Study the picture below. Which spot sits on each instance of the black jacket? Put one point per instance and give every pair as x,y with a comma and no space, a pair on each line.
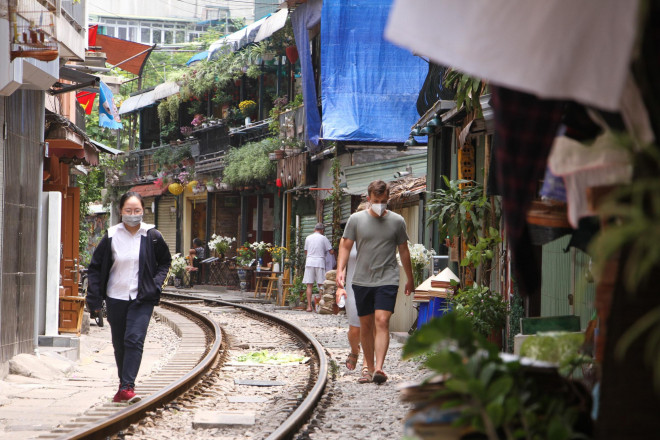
155,260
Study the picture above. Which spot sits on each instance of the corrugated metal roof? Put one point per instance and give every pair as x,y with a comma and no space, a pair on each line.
358,177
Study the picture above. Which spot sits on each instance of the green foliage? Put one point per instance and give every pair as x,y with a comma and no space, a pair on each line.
495,397
249,164
297,252
516,312
298,291
335,198
459,211
483,250
485,309
562,348
468,89
167,157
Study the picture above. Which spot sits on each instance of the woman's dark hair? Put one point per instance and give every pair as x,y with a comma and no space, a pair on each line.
127,196
198,242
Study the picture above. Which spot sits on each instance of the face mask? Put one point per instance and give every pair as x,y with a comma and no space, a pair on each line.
379,208
132,220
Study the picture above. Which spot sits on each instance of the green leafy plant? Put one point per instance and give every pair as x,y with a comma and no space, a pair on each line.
482,253
244,255
486,310
249,164
335,198
459,211
167,157
298,291
468,89
297,252
497,398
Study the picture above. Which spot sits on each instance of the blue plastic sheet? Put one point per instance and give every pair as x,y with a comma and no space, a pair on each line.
369,87
303,18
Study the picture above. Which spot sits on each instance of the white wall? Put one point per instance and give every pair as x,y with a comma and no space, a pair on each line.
168,8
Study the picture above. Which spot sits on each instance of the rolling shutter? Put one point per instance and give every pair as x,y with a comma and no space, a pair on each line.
167,221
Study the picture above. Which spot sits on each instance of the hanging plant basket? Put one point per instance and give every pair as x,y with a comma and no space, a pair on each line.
175,188
191,185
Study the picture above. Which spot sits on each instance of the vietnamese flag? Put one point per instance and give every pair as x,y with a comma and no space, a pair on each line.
86,99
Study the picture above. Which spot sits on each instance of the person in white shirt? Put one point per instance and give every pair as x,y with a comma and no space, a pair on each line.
316,247
127,270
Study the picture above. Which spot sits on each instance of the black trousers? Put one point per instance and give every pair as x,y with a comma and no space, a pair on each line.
129,321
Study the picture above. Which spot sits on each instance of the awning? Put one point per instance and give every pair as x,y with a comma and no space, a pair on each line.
149,97
273,23
126,55
148,190
105,148
198,57
80,80
236,40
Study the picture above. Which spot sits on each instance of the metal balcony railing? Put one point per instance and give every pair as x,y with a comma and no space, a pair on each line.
140,166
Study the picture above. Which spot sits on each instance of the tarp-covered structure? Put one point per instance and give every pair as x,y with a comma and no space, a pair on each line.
369,87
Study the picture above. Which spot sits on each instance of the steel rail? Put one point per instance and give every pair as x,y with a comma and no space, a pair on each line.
304,410
133,413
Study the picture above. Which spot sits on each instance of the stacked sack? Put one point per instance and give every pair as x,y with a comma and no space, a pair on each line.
327,303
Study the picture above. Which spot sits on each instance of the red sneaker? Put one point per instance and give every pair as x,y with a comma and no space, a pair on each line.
126,395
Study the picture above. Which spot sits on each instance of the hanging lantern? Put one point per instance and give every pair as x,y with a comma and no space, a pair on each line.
292,54
278,182
175,188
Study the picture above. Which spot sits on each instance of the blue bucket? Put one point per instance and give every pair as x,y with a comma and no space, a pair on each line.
435,308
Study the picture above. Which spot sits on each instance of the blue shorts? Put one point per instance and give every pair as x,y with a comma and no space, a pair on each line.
369,299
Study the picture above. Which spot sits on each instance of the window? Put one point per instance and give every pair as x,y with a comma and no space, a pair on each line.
145,33
155,36
192,37
180,36
169,37
122,33
132,34
110,31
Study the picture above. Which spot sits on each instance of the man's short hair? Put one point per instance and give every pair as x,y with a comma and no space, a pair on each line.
378,188
319,227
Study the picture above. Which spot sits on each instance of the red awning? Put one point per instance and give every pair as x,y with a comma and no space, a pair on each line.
148,190
126,55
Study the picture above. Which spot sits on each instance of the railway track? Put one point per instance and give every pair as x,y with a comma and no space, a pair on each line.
196,368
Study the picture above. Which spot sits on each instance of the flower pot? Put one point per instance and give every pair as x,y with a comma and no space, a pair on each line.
177,282
276,267
279,154
210,187
242,277
248,121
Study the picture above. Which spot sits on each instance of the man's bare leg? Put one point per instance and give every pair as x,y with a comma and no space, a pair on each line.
309,297
367,339
382,343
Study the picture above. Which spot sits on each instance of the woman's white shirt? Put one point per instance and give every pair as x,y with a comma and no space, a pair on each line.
123,279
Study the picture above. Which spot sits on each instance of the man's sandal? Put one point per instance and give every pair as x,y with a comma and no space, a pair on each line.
379,377
366,376
351,360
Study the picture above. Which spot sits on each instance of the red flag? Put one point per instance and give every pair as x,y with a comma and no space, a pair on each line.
91,35
86,99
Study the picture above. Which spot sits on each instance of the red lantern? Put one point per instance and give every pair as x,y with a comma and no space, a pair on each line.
292,54
278,182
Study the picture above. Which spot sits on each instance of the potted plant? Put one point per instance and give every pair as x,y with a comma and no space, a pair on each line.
487,310
298,292
244,257
247,107
221,244
178,268
277,253
259,249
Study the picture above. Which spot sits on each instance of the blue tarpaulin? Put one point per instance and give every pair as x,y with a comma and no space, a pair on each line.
198,57
369,87
305,17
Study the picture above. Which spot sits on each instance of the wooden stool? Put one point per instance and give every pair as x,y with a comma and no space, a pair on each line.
286,285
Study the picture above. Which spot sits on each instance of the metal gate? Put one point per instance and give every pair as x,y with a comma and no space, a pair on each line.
21,182
166,207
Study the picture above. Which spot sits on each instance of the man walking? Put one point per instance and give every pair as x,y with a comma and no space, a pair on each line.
377,234
316,247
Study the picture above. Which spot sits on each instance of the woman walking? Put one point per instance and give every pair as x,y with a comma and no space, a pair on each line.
127,270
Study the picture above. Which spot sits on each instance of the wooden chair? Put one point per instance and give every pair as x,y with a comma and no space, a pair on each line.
272,284
286,284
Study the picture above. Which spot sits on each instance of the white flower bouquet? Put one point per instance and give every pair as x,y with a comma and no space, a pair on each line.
220,243
178,265
259,248
420,257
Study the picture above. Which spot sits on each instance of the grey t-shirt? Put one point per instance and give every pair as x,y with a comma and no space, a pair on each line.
376,239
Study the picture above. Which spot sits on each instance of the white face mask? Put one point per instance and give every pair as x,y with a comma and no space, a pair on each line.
379,208
132,220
